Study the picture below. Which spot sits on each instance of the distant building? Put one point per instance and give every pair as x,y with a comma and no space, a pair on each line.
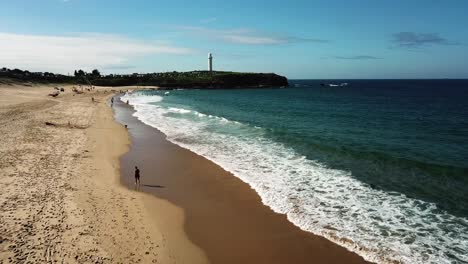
210,62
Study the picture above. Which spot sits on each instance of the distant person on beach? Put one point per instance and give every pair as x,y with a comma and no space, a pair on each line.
112,101
127,101
137,176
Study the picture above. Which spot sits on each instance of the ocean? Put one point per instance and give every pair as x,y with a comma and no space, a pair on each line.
378,166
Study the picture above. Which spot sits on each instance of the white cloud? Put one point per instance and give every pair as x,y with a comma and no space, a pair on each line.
245,36
67,53
253,40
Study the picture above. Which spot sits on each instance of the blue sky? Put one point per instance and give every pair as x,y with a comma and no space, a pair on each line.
298,39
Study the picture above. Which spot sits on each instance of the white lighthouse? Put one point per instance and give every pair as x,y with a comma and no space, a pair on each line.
210,62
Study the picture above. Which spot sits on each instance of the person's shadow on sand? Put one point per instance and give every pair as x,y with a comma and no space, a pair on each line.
153,186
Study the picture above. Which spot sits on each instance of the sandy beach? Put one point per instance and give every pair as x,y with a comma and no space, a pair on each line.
61,198
65,198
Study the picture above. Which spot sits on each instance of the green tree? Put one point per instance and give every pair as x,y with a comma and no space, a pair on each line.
79,73
95,73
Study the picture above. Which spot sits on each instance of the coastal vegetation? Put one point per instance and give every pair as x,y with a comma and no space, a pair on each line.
191,79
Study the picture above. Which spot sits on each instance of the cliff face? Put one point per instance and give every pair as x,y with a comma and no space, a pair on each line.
236,80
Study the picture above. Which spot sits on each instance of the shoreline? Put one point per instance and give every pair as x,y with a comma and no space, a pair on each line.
157,242
222,212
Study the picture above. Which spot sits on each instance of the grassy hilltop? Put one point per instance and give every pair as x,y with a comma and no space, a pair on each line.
192,79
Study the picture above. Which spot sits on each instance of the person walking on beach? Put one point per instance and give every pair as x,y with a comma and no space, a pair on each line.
112,101
137,177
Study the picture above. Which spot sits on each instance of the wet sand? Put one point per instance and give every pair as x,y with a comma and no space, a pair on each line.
223,215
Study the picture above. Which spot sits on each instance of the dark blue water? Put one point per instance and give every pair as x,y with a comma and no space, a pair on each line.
395,137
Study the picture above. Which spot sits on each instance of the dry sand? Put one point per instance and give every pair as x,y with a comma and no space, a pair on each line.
61,200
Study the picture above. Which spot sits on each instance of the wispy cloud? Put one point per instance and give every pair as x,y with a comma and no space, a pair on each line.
358,57
66,53
416,40
245,36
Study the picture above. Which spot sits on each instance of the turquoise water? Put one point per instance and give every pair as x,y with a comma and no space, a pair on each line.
383,164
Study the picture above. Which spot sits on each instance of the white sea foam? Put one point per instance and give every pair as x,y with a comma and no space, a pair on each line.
178,110
380,226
